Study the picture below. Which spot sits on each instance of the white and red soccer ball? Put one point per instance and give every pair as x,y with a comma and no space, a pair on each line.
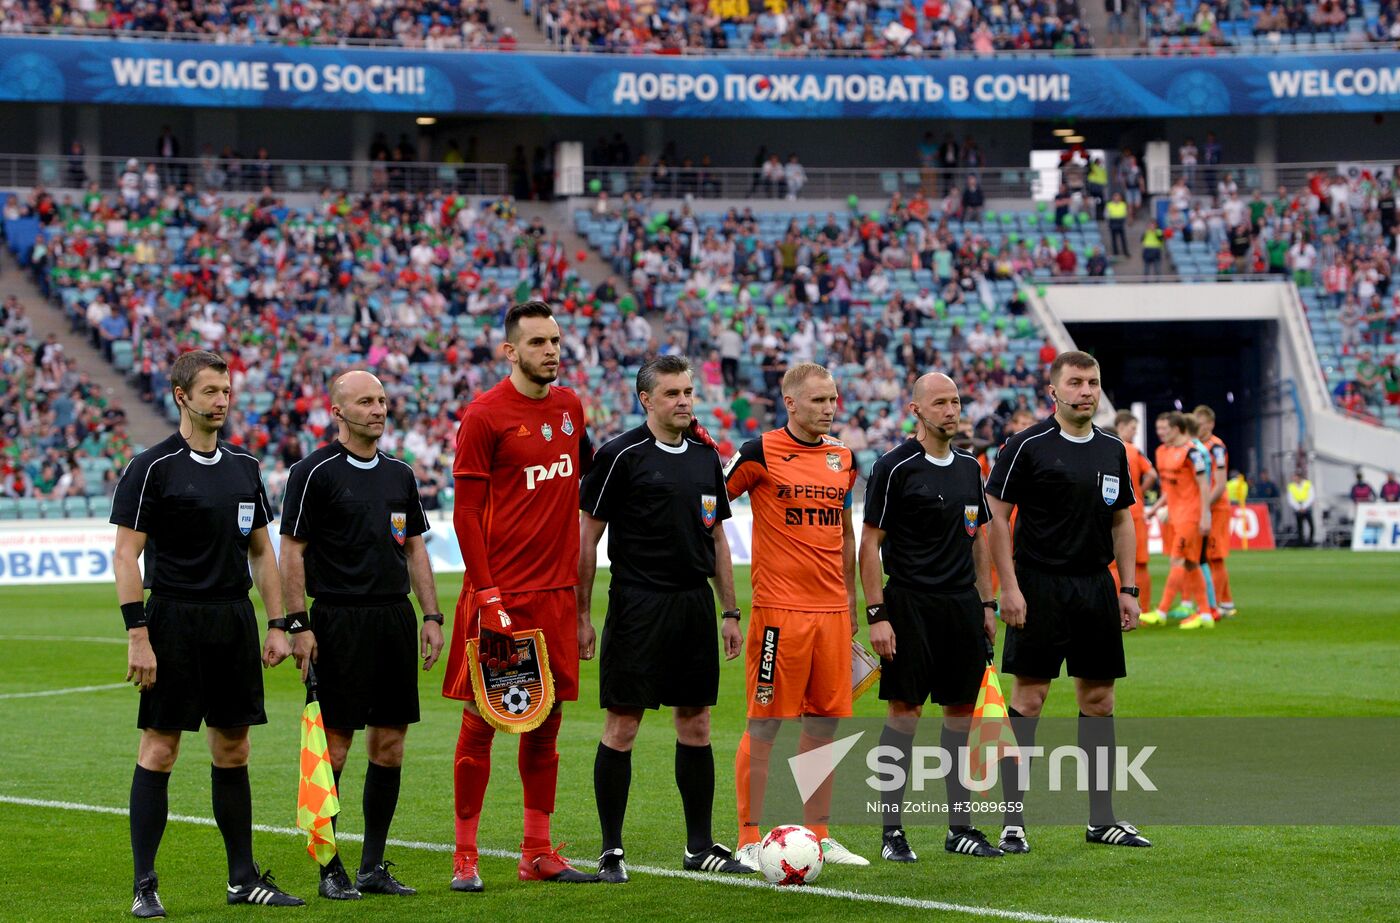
790,855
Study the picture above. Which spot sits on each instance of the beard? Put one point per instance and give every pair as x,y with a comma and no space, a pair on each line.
538,373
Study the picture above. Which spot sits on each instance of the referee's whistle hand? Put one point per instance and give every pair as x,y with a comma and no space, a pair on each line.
276,648
140,662
882,639
304,651
587,638
1129,611
431,644
733,638
1013,608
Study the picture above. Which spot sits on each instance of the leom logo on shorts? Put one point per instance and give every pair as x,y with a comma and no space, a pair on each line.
245,518
767,666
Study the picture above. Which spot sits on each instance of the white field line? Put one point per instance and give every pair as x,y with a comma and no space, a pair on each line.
728,880
69,691
88,639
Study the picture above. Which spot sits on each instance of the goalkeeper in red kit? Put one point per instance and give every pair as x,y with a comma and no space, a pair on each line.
521,450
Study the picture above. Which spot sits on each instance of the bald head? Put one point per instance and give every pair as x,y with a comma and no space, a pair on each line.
360,406
345,387
935,382
937,407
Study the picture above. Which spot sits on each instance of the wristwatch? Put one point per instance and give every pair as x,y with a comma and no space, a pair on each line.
432,617
1129,591
277,623
991,604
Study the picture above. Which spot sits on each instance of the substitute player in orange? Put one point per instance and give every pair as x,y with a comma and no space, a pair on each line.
1144,476
799,482
1218,545
1185,475
521,449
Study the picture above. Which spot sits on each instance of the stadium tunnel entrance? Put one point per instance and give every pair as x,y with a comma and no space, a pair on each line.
1176,365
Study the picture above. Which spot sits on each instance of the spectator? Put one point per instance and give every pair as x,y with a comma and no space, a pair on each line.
1361,492
1152,250
1390,490
1117,212
794,177
1300,500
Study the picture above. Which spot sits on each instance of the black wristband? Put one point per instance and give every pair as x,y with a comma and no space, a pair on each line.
991,604
277,623
134,615
734,614
875,613
434,617
1129,591
297,622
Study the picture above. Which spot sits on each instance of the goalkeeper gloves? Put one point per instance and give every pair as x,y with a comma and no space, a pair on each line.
495,639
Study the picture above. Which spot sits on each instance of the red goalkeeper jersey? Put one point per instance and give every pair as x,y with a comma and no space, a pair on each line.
532,453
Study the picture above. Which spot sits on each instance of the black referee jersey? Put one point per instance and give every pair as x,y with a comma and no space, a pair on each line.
1066,489
662,504
355,514
197,511
929,509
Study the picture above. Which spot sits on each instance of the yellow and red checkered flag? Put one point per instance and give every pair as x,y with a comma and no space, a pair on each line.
317,800
991,726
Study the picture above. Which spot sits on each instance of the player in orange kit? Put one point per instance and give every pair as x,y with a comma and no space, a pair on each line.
1144,476
1185,477
799,482
1218,545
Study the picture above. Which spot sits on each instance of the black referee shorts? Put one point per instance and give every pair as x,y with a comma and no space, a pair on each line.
1071,619
940,647
366,664
208,666
659,648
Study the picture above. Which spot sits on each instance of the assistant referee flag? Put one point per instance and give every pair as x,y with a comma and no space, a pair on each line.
991,727
317,800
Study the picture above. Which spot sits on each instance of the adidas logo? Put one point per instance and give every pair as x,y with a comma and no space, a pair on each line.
523,431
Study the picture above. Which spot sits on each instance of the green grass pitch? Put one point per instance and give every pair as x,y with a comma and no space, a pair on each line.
1318,634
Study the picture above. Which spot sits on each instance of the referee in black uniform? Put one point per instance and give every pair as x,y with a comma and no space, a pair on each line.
933,623
352,538
662,491
1071,484
195,506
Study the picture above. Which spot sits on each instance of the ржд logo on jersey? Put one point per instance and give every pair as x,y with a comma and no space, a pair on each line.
559,469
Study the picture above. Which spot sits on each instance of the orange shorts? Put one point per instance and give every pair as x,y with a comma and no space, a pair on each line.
1218,545
798,663
1186,542
554,612
1168,536
1140,527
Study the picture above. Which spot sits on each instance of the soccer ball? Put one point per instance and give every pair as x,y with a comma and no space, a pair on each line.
516,700
790,855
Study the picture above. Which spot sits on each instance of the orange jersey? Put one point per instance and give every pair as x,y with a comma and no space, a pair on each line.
1139,467
1178,466
1219,468
800,493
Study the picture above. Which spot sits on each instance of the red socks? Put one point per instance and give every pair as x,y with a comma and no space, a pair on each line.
471,772
539,776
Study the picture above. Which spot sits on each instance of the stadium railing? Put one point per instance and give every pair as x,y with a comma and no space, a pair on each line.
252,175
822,182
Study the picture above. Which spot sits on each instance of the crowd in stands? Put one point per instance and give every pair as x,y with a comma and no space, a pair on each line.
785,27
61,438
1337,237
410,285
431,24
1176,25
799,27
878,297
